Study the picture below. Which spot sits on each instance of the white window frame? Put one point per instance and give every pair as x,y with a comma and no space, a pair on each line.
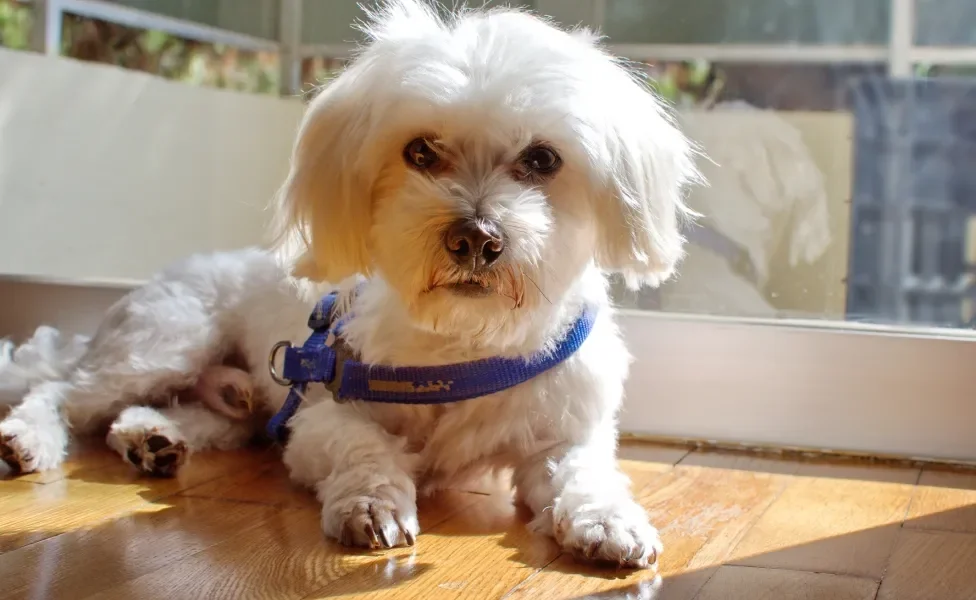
836,386
900,53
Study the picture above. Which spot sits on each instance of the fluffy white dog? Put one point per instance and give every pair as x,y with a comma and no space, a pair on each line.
484,171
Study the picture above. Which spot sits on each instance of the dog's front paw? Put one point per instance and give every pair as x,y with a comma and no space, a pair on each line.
616,533
384,518
374,523
27,448
157,452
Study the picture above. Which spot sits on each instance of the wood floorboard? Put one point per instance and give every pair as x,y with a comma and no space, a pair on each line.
734,526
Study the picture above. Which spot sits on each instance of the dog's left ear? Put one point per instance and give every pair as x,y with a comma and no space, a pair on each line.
322,212
646,165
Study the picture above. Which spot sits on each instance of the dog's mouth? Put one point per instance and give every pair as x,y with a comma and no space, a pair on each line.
470,288
506,282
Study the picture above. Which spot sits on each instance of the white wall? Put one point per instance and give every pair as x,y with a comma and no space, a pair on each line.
108,175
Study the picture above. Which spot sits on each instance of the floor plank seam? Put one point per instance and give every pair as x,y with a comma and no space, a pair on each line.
937,531
531,576
278,505
915,492
87,527
257,523
13,478
683,457
810,571
701,588
877,592
789,480
901,528
804,570
657,477
196,485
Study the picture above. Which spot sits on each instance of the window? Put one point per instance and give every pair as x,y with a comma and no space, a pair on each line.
827,298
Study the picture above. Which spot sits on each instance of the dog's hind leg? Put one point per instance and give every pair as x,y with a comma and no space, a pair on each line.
33,436
159,441
149,343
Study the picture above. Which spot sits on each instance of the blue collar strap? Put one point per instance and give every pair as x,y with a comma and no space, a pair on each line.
326,359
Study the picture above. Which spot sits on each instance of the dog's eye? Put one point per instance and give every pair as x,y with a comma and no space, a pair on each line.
420,154
541,160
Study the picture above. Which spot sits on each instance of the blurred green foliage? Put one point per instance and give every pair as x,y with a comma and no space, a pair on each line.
15,24
686,83
153,52
168,56
692,83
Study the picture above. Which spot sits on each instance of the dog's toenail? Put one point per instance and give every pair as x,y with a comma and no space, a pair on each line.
156,443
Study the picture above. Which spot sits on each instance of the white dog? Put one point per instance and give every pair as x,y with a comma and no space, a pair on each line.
484,171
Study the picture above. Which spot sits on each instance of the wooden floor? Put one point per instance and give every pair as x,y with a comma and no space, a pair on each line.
734,527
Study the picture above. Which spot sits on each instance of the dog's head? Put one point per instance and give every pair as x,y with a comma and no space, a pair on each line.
480,164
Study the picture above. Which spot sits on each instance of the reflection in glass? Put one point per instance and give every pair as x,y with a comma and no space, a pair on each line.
835,191
945,23
747,21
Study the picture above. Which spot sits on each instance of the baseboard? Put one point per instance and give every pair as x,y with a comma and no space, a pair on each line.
71,308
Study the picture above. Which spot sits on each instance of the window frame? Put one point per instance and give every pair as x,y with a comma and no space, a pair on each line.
835,386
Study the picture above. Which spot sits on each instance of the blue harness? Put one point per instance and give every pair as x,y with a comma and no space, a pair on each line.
325,358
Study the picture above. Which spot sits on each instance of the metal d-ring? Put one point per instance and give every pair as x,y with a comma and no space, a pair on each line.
271,363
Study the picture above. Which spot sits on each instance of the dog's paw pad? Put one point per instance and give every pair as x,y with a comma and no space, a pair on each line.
26,449
156,454
238,397
16,457
157,443
376,524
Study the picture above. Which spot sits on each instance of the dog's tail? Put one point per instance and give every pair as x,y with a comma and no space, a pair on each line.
46,356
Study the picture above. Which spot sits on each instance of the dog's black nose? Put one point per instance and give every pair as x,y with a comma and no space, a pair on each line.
474,242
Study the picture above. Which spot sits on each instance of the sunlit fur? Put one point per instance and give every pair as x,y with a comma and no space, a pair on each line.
481,87
485,85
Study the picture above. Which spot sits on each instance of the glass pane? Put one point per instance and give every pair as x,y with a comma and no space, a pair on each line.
319,70
945,23
747,21
16,19
169,56
835,191
253,17
774,235
849,197
328,21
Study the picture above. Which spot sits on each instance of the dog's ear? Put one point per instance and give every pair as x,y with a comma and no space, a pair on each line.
322,211
647,165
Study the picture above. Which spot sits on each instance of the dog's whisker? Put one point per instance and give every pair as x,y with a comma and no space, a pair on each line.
541,293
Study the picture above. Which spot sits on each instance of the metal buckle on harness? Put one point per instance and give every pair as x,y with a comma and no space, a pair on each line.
284,344
340,353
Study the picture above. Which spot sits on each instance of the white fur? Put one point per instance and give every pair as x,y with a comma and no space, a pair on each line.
44,356
161,339
483,85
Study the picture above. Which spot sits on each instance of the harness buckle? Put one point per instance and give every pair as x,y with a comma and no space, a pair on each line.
341,353
284,344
